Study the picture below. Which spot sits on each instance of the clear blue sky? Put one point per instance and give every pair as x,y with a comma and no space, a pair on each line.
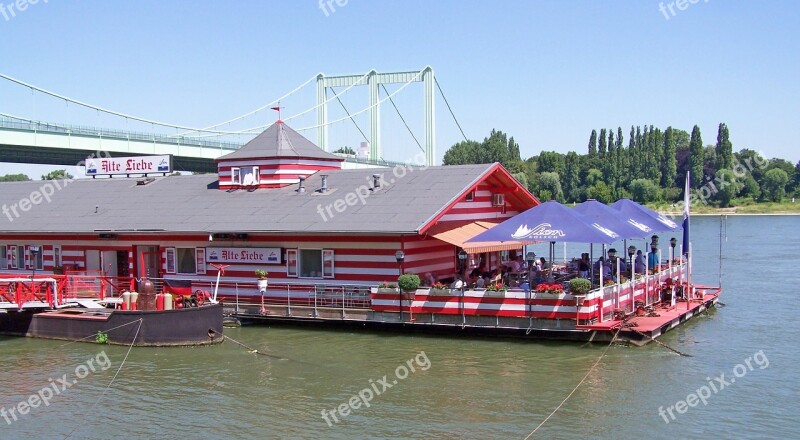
546,72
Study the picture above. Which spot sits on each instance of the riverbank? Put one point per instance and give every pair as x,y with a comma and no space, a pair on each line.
766,208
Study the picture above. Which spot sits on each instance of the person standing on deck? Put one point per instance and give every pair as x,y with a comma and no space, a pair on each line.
652,258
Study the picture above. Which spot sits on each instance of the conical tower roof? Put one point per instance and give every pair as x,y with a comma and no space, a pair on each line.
279,140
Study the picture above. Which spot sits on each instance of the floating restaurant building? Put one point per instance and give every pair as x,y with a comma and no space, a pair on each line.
279,203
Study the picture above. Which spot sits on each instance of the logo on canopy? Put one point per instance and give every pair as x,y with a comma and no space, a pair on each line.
667,221
606,231
540,231
641,226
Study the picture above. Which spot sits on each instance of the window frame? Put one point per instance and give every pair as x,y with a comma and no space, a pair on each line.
236,178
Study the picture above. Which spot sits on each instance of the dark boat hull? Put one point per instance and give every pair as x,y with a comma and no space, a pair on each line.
190,326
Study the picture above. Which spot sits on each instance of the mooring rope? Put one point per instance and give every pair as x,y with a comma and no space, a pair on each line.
659,342
602,355
251,349
130,347
94,335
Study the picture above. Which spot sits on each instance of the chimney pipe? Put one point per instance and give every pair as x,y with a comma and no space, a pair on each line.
324,183
301,189
376,182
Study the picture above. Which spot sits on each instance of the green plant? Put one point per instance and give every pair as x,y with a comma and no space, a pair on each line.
440,286
579,286
261,274
496,288
408,282
101,338
385,285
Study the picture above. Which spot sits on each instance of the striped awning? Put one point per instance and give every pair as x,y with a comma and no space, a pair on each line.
458,235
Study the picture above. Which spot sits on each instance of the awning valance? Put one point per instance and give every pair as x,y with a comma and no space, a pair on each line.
458,235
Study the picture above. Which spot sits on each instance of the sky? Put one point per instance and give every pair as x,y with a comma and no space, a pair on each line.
545,72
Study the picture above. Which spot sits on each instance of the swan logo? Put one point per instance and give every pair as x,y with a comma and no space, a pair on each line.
540,231
641,226
606,231
667,221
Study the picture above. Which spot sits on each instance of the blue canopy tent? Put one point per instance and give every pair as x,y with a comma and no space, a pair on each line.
608,217
550,221
643,218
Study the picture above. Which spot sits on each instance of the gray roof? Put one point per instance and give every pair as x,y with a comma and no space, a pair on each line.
279,140
195,204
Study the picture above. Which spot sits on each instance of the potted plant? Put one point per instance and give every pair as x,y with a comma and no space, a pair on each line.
439,289
554,289
261,275
385,287
579,286
409,283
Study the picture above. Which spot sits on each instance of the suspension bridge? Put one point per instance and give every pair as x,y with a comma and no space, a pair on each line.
24,138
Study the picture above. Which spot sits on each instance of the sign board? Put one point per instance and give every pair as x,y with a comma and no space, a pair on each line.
109,166
243,255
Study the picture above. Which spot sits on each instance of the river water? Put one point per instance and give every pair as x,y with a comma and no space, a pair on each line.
459,388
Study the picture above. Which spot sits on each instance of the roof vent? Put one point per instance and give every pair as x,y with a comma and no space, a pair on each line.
376,181
324,187
145,181
300,188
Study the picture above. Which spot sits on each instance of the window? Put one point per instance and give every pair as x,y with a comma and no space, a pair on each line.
200,255
310,263
249,176
235,176
20,257
3,257
470,196
186,259
57,256
291,262
170,260
498,200
36,258
11,254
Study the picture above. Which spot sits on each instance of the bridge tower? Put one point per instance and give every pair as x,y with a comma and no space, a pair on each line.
374,80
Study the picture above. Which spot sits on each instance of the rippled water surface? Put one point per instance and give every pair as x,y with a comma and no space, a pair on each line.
460,388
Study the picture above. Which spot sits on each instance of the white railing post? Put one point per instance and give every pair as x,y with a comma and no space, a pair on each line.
288,301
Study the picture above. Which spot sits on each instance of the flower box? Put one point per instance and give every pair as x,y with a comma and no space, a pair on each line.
388,290
439,292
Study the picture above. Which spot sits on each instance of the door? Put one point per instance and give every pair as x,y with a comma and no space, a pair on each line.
110,263
93,262
147,262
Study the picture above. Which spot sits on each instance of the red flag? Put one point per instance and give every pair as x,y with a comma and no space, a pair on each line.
277,109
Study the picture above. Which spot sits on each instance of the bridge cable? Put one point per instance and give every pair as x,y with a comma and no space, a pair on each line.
328,99
348,114
416,78
448,108
403,119
112,112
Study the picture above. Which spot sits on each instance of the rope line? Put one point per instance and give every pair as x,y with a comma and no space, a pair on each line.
130,347
101,331
403,119
449,108
354,121
576,386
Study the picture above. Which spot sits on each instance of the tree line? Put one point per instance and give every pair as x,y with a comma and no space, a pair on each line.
651,167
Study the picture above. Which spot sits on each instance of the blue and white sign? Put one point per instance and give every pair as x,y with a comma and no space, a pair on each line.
110,166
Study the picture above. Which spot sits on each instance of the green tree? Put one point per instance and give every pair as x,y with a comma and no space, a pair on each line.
57,175
550,183
572,176
794,184
669,162
727,187
644,190
601,149
346,150
724,148
749,188
14,178
593,144
462,153
600,192
681,138
696,157
551,161
513,150
773,185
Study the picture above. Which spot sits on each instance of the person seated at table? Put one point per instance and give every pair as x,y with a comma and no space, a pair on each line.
584,266
623,265
459,281
517,265
652,258
429,279
607,272
478,271
480,283
496,277
599,264
639,266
